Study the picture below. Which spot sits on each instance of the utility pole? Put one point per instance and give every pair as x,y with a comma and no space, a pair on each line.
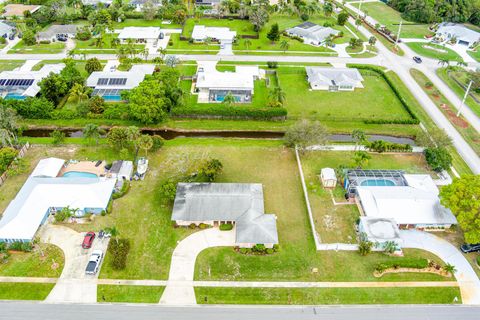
464,98
398,33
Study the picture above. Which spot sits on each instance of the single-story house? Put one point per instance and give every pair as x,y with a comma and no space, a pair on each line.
328,177
17,10
140,34
7,29
95,3
109,84
414,205
213,85
380,231
464,36
334,79
221,34
19,84
216,203
312,33
138,4
44,193
55,31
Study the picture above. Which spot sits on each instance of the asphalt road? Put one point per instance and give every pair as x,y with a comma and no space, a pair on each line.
42,311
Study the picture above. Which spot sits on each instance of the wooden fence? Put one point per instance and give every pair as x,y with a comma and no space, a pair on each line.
21,154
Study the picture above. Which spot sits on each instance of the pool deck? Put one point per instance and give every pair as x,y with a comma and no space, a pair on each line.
84,166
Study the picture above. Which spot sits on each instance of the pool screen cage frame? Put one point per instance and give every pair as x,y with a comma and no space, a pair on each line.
353,178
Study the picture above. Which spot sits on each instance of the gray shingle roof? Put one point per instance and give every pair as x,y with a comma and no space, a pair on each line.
333,76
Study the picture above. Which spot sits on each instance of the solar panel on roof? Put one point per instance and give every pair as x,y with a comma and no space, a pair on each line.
2,81
16,82
117,81
102,81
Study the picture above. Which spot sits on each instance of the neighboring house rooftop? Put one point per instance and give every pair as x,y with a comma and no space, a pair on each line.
320,76
55,29
220,33
6,28
312,32
25,83
139,33
95,2
12,10
209,77
239,202
42,191
458,31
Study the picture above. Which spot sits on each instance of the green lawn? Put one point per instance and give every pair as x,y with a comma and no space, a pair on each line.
475,54
434,51
391,18
316,296
25,291
8,65
44,261
336,223
375,100
129,294
464,128
88,46
54,47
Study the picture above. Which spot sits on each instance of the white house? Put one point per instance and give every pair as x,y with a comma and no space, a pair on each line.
238,203
44,193
19,85
140,34
221,34
109,84
464,36
213,85
312,33
55,31
334,79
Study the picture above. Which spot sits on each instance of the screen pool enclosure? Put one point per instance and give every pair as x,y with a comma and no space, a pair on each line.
372,178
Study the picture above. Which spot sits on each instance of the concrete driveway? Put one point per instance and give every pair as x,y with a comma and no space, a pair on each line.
179,289
73,285
466,277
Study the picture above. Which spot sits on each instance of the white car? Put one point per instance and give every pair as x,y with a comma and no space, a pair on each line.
94,262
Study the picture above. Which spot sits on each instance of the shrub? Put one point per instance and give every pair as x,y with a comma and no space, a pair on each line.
438,158
226,227
6,157
342,18
259,247
415,263
57,136
119,249
123,191
20,246
64,114
243,250
210,169
269,251
109,207
385,146
158,142
169,190
365,247
192,226
304,16
478,260
202,226
272,64
45,42
221,111
276,247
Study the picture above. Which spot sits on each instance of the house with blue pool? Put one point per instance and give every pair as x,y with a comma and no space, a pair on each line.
212,85
45,192
21,84
110,82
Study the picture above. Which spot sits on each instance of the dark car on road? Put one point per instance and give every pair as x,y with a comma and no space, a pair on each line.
88,240
417,59
467,248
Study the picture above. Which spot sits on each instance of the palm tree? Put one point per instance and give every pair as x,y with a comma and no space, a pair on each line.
358,136
114,42
443,62
284,45
247,43
99,41
450,268
113,231
145,142
92,132
462,64
327,9
145,53
79,92
229,99
121,53
71,53
277,95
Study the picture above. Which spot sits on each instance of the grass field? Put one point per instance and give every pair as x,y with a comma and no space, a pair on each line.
375,100
25,291
8,65
335,224
475,54
45,261
316,296
129,294
434,51
54,47
89,45
391,18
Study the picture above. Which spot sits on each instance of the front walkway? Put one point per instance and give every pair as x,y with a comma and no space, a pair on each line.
179,289
467,278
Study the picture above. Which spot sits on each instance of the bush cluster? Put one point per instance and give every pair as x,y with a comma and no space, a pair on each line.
119,249
226,227
225,112
415,263
20,246
385,146
259,249
123,191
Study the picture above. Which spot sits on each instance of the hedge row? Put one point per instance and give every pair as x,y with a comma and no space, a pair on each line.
385,146
414,119
221,111
119,249
416,263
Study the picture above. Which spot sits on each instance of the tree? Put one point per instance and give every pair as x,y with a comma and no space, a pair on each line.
462,197
92,132
277,96
342,18
79,92
8,120
149,10
64,214
96,105
172,61
438,158
7,138
444,62
147,101
34,108
372,40
28,37
359,137
364,246
210,169
145,142
57,136
229,99
361,158
305,133
258,17
358,22
247,43
118,137
284,45
450,268
53,87
327,9
274,33
179,16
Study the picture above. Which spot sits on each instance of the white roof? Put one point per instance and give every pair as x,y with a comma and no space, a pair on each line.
126,170
405,204
25,213
133,77
48,168
321,76
380,229
459,31
36,76
220,33
421,181
210,78
312,32
139,33
328,174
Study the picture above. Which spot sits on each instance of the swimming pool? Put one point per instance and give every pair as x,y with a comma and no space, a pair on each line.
377,183
112,98
79,174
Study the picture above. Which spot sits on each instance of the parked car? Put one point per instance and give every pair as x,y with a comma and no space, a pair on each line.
161,36
417,59
94,262
467,248
62,38
88,240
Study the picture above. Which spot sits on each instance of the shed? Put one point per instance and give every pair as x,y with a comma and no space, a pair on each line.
328,177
